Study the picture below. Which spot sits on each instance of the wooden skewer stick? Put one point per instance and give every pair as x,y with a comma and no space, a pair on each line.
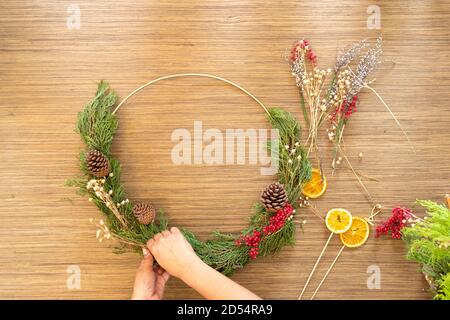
315,266
328,271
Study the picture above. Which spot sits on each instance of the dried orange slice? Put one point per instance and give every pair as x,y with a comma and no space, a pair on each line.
315,187
357,234
338,220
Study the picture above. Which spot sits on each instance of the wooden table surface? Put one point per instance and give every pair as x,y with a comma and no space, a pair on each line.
49,71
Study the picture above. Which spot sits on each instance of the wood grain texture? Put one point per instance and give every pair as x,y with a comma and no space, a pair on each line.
47,73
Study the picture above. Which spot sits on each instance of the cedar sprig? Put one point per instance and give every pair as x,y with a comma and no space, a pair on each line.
96,124
294,168
428,244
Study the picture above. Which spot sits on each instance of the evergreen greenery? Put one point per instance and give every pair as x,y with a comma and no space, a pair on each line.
97,126
428,243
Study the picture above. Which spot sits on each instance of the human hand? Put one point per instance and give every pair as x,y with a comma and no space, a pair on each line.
150,281
173,252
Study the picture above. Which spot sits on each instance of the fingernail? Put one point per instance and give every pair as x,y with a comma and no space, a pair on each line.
145,252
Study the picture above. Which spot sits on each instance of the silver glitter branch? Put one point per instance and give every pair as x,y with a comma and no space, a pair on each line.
366,65
348,54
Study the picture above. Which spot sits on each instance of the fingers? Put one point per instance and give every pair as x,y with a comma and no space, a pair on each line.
162,234
153,244
175,230
164,274
158,270
158,236
165,233
147,262
147,255
161,282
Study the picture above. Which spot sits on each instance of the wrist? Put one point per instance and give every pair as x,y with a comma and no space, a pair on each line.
192,269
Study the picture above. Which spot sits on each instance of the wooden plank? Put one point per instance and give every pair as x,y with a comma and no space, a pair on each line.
48,72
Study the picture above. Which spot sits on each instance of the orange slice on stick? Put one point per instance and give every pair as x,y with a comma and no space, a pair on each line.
315,187
338,220
357,234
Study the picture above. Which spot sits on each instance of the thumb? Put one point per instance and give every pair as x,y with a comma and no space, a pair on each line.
147,262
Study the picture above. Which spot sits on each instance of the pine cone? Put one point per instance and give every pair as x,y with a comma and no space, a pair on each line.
97,163
144,212
274,197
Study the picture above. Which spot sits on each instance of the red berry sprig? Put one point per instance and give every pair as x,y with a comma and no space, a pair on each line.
346,109
303,46
251,240
276,222
400,217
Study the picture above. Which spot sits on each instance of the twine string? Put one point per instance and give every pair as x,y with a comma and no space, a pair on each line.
178,75
393,116
369,196
375,211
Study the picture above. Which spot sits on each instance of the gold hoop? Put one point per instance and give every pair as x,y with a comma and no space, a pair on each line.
178,75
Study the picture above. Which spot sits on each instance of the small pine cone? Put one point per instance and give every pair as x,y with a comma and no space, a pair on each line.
97,163
274,197
144,212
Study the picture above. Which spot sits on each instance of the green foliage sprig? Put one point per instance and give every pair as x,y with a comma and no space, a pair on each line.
428,243
97,126
293,169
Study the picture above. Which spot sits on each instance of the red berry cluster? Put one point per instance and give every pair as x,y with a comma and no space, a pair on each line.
395,223
346,109
276,222
252,241
303,45
350,108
